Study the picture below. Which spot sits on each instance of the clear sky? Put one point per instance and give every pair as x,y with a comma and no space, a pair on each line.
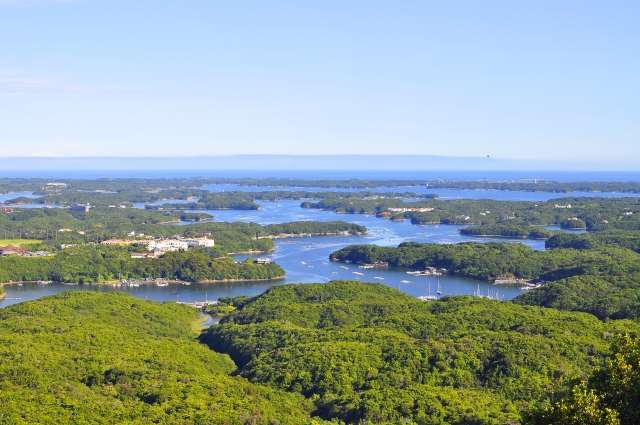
512,79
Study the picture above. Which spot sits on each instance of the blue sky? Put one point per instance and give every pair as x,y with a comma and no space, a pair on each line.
506,79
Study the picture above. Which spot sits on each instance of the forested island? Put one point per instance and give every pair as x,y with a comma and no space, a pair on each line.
626,239
70,246
111,265
603,280
575,213
56,226
512,231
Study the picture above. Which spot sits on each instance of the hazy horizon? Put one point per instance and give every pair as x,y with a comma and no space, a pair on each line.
312,166
546,81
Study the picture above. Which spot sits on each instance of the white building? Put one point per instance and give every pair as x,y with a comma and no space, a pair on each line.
167,245
411,209
200,242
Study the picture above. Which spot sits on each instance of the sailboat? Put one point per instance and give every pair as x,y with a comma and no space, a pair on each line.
428,297
439,290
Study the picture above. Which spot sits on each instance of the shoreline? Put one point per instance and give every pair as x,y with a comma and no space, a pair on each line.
249,252
266,279
118,284
504,237
309,235
516,282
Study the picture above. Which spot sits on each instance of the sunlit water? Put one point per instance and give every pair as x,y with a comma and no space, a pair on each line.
306,260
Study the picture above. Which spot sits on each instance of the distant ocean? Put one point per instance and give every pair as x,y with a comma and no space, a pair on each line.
628,176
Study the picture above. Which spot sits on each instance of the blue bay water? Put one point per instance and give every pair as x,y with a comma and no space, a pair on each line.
306,260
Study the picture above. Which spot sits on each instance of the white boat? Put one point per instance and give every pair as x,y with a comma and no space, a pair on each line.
405,281
358,273
378,277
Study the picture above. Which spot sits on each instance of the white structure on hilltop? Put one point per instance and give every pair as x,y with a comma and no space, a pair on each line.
167,245
200,242
158,247
411,209
161,246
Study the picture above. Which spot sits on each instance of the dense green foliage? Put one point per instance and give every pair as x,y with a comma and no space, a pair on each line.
626,239
223,201
92,358
512,231
97,263
368,352
57,226
590,213
46,223
360,203
612,296
237,200
573,223
314,228
610,397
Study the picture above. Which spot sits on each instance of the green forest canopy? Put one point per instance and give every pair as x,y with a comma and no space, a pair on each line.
105,358
365,352
99,263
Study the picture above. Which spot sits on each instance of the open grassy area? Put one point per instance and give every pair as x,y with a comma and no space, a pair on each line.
19,242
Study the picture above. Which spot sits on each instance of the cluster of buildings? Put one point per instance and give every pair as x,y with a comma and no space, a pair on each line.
55,186
158,247
410,209
562,206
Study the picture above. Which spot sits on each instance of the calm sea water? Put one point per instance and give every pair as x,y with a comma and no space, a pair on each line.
93,173
306,259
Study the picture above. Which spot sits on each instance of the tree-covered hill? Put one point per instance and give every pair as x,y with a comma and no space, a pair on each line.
366,352
92,358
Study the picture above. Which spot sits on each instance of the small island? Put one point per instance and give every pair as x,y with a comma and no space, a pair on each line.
510,231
